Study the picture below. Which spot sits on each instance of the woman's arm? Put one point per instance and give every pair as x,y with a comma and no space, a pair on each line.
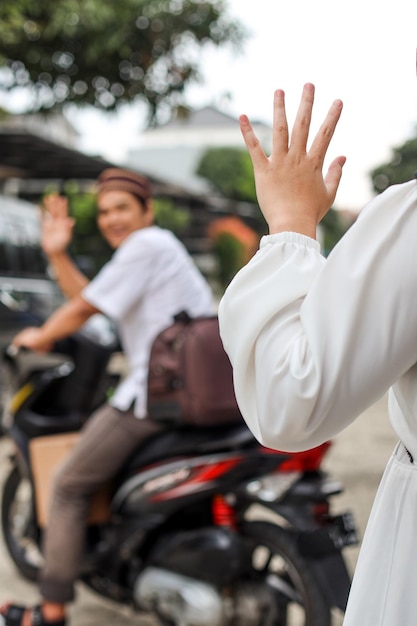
313,342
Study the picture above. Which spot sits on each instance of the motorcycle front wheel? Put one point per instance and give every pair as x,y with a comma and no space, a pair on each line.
20,531
8,387
276,565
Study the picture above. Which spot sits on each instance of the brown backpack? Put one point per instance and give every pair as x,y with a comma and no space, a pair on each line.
190,376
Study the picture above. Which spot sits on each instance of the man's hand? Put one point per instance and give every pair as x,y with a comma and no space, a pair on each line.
63,322
32,338
292,193
57,226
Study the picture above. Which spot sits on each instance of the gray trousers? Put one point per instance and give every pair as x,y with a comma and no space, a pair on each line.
107,440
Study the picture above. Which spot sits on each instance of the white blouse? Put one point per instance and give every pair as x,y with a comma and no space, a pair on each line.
313,343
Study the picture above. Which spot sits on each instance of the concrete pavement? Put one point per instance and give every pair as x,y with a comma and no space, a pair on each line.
357,458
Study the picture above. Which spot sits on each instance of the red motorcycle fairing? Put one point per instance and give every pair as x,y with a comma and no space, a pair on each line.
166,485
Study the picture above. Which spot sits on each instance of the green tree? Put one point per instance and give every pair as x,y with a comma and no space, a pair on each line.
334,227
230,172
401,167
233,244
170,216
229,253
106,53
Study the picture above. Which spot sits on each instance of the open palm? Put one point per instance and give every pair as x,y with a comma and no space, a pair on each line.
57,225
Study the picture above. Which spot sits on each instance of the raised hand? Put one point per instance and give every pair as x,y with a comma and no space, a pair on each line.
57,225
292,193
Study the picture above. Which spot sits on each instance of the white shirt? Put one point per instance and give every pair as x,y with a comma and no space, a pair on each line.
149,279
313,343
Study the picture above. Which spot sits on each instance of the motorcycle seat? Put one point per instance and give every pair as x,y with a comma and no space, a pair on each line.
37,425
191,440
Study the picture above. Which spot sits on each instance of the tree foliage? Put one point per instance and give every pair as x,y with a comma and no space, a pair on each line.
333,228
230,172
401,167
234,243
106,53
170,216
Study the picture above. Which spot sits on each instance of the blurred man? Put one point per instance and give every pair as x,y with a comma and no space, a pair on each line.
149,279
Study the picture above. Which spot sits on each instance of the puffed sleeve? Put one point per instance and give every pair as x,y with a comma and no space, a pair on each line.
313,341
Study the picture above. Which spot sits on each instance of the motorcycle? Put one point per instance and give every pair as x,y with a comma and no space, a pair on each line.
204,527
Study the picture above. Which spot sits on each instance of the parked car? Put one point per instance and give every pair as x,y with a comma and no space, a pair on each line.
28,294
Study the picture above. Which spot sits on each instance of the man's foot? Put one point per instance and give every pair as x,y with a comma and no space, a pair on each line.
16,615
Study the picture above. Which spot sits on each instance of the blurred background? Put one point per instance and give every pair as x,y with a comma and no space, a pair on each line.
157,86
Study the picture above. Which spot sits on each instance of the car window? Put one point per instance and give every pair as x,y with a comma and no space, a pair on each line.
20,251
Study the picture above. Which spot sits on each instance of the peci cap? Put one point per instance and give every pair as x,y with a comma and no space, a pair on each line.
115,179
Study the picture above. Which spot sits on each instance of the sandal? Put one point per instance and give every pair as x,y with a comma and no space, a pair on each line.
13,616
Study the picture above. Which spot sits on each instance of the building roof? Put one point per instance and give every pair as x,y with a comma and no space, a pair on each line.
207,116
24,154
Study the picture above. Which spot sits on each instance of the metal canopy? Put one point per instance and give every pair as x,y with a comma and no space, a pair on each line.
27,155
36,160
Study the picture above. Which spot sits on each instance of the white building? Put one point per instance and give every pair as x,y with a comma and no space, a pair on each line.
173,151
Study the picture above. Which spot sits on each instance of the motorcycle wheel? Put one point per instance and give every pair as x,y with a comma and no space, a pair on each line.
8,387
20,531
277,565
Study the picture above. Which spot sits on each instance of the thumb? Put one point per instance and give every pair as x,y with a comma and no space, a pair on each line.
333,176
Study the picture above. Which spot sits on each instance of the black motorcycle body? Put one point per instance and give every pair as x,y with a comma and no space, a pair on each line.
206,527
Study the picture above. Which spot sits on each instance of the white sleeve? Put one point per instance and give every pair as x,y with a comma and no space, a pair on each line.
314,342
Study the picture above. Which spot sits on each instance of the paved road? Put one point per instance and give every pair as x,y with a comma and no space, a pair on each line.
357,458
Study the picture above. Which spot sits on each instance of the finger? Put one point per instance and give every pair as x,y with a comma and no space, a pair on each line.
253,145
280,124
301,128
56,205
333,176
61,207
46,216
50,200
17,341
322,139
